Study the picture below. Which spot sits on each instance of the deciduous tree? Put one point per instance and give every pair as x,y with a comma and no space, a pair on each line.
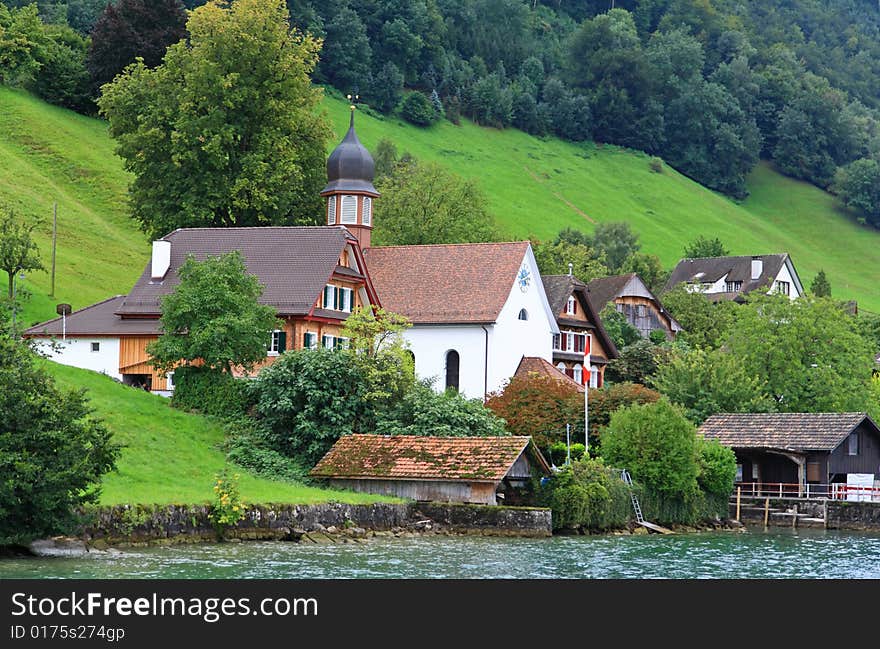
227,131
18,250
214,317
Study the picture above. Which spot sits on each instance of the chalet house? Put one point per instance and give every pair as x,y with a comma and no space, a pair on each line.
731,278
476,309
632,297
580,329
313,276
789,451
448,469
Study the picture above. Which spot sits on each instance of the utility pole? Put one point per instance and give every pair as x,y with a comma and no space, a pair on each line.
54,245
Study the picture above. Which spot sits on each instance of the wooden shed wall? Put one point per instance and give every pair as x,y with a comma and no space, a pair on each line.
437,490
868,459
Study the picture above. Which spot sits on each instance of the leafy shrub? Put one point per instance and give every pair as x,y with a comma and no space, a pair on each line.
656,165
308,399
422,411
611,398
211,392
248,444
558,452
418,109
670,510
717,467
657,444
586,494
227,508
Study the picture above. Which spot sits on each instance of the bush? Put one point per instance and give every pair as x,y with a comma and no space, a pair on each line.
697,508
586,494
558,452
657,445
53,452
211,392
611,398
418,109
249,445
422,411
308,399
717,467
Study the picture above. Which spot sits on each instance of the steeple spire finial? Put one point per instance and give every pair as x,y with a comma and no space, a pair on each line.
352,101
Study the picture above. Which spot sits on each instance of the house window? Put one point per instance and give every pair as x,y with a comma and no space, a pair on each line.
523,315
595,377
579,340
452,361
578,374
310,340
561,367
340,343
338,298
96,347
556,341
733,287
327,342
278,343
571,307
852,443
349,209
783,287
331,210
368,210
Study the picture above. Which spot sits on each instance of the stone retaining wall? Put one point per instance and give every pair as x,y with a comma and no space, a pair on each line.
844,515
191,523
838,514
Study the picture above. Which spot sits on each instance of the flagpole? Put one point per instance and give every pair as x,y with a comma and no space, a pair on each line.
587,374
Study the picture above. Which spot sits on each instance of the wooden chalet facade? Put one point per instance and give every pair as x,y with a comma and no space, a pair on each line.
632,297
579,324
481,470
791,450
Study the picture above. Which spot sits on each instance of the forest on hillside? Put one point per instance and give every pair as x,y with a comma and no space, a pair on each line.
711,86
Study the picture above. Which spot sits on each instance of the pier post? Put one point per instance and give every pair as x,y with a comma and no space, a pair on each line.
738,497
766,512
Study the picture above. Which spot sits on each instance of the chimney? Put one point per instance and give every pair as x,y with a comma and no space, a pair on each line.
161,259
757,267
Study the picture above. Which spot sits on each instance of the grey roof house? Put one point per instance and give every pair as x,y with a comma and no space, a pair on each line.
731,278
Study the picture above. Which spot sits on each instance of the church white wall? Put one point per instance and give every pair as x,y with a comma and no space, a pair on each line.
509,339
430,344
77,352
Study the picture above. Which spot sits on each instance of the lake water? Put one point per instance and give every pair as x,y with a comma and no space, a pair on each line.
711,555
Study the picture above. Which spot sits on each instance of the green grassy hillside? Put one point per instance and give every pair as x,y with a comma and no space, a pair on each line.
534,186
171,456
538,186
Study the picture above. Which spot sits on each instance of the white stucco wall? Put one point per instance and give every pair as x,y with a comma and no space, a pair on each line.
784,275
509,339
77,352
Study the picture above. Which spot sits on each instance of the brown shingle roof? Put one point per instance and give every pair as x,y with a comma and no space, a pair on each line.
292,263
530,365
97,320
409,457
454,283
604,289
795,431
558,288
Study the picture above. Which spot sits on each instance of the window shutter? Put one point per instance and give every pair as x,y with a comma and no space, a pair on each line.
328,297
282,342
331,210
368,210
349,209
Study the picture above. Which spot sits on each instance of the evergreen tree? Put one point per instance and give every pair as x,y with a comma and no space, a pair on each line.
820,286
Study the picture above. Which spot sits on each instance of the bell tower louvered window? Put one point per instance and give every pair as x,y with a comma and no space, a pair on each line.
368,210
331,210
349,209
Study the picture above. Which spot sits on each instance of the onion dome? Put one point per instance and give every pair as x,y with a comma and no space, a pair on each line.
350,167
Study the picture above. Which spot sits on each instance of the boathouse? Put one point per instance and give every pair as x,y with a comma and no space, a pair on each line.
482,470
800,454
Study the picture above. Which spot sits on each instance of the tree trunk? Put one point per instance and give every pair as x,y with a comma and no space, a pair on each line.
11,283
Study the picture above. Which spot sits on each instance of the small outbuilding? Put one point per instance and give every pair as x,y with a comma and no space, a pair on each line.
799,453
480,470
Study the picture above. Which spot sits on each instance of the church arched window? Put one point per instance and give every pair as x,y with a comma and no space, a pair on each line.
452,362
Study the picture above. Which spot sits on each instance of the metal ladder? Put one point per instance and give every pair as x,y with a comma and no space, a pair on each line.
625,476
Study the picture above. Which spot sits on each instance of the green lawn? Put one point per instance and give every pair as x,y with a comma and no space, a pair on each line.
534,186
171,456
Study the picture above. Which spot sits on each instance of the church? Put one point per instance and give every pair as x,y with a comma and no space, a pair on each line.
476,309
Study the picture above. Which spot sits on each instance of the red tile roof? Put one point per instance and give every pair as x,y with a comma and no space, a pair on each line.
453,283
794,431
530,365
410,457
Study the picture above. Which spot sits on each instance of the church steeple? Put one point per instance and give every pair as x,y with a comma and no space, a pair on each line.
350,191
